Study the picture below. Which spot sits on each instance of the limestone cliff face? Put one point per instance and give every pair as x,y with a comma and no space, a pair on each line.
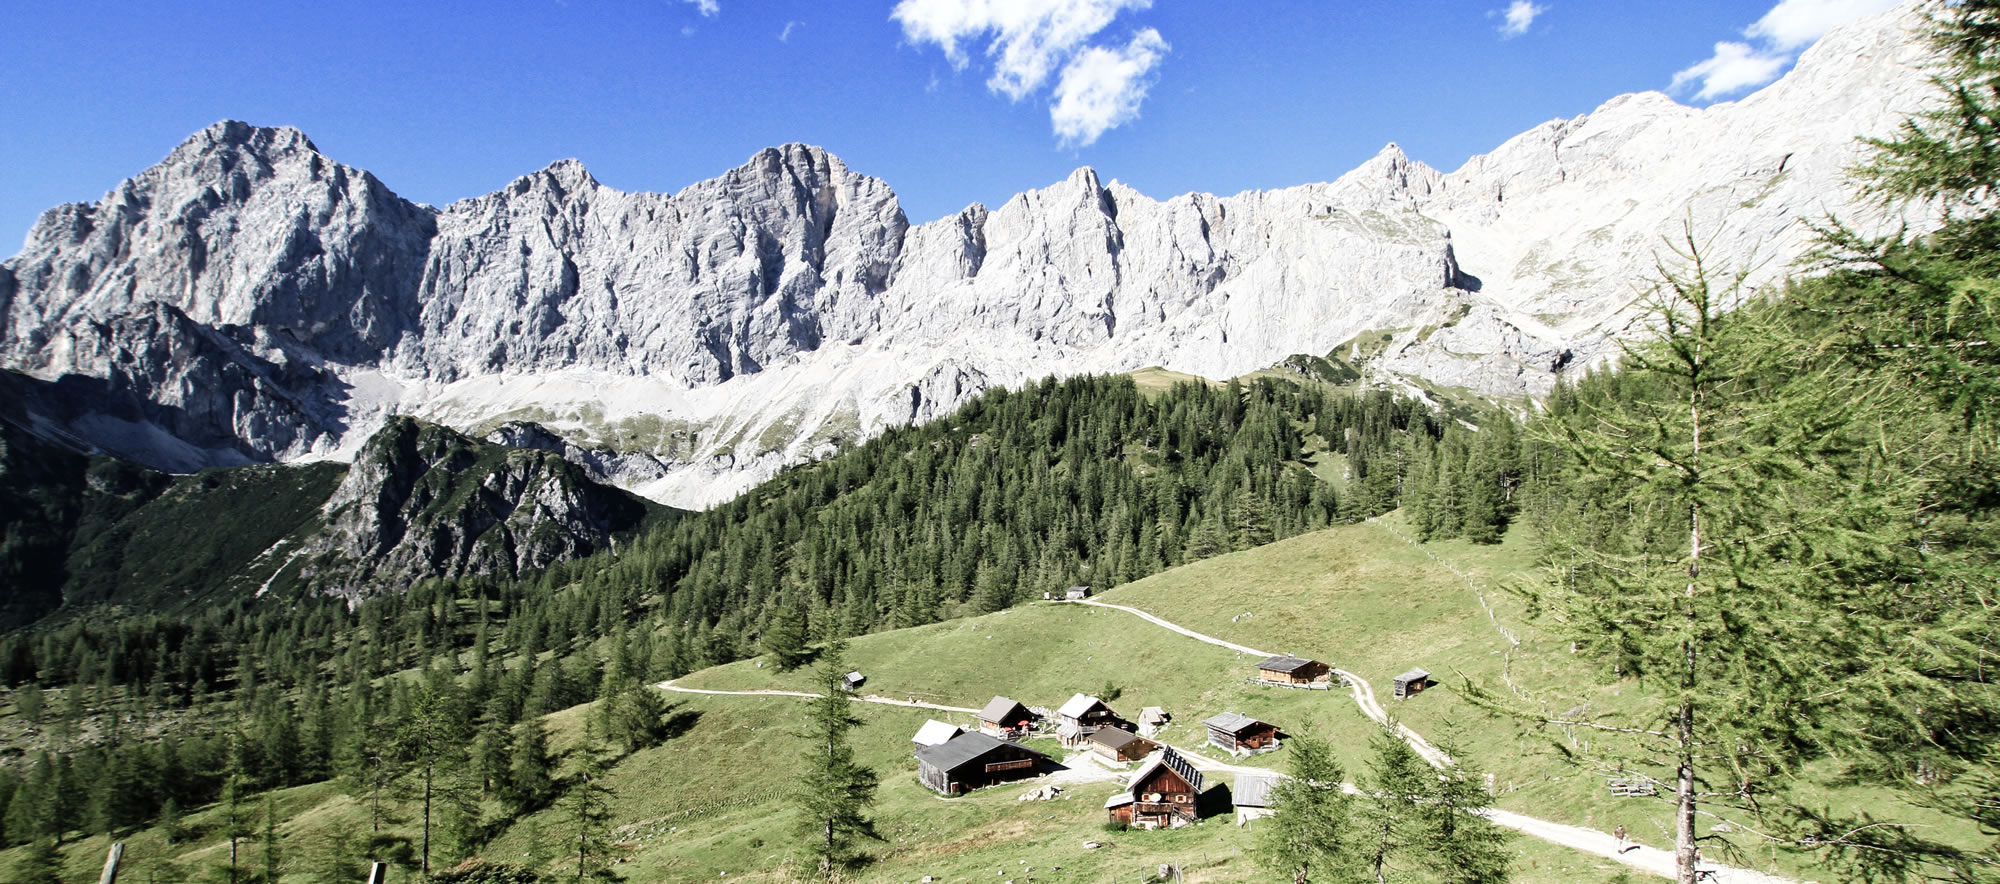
249,299
424,501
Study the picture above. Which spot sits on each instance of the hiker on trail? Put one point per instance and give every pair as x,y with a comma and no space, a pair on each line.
1619,833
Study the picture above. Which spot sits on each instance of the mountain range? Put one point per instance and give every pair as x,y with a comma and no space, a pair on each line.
250,300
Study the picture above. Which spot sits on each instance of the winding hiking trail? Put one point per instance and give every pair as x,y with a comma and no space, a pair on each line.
1651,860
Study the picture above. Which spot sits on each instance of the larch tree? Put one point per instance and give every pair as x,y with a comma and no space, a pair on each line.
1311,835
834,790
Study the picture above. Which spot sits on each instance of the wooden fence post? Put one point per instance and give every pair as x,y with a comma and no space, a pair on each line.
110,874
378,873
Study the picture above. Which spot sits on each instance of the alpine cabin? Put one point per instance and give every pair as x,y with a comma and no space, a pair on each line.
1411,683
1164,794
1235,732
1112,744
935,732
1003,717
1287,670
974,760
1253,797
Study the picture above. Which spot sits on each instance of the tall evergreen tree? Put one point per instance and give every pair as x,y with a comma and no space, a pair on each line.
1311,835
834,791
1459,844
586,810
1392,816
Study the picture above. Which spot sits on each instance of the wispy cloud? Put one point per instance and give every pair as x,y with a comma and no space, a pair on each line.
1029,41
1518,16
1101,88
708,8
1788,27
785,36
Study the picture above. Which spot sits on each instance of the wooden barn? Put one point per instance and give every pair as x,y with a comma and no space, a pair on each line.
1004,717
974,760
1253,797
1236,732
853,681
1076,593
1411,683
1164,794
1083,710
935,732
1112,744
1293,670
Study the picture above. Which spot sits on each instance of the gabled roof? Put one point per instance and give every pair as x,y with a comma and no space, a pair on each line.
1254,790
1080,705
1115,738
1172,761
1413,675
934,732
1232,722
1284,663
963,749
1152,713
1002,709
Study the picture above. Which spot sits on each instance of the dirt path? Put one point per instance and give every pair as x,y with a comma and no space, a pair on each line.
886,701
1647,859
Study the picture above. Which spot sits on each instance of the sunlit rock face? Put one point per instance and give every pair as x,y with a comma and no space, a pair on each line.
249,299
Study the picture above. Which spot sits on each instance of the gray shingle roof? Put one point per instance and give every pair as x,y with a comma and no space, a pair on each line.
1232,722
1000,708
1115,738
1254,790
1413,675
1283,663
961,750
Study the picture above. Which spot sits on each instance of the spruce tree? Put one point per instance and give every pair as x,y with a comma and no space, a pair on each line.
530,778
586,811
38,863
785,637
834,791
1459,844
1311,835
1392,813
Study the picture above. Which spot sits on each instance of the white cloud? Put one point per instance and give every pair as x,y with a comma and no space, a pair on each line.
1519,15
785,36
1031,38
1733,68
1794,24
1101,88
707,8
1786,28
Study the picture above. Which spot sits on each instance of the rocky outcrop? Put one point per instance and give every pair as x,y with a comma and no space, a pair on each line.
424,501
249,299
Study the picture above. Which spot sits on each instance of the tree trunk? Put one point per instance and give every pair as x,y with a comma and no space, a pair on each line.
427,820
1685,858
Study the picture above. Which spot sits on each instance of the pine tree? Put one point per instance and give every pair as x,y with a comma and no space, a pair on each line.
834,791
431,740
1460,845
586,809
236,825
785,637
530,778
1392,815
38,863
1311,834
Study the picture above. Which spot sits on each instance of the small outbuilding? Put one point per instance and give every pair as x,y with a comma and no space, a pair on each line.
1411,683
1253,797
853,680
1112,744
1288,670
1076,593
1004,717
1151,719
1165,793
974,760
935,732
1236,732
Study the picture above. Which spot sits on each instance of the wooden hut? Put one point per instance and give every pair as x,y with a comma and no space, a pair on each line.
1411,683
1165,793
1003,717
970,761
935,732
1112,744
1076,593
853,681
1151,719
1293,670
1236,732
1253,797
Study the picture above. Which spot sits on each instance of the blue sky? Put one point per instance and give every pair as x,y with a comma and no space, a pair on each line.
950,101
